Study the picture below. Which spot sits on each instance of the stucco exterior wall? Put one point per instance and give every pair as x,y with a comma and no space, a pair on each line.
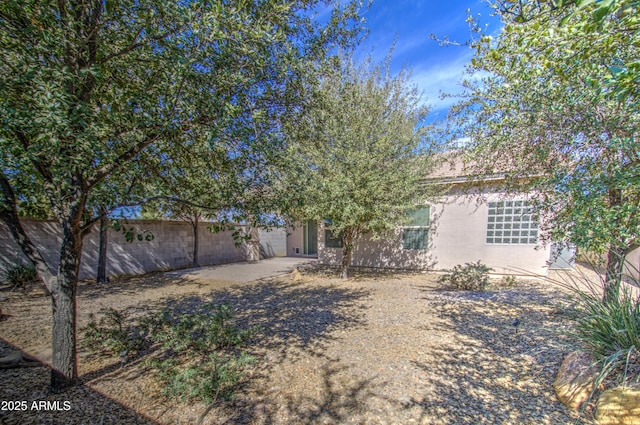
460,237
385,252
632,266
457,235
171,248
295,241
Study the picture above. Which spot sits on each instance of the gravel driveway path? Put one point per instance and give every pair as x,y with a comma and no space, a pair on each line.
377,349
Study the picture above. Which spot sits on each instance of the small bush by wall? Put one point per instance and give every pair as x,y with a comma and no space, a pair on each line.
20,275
470,277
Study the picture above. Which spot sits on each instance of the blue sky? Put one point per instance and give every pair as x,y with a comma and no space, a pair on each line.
435,69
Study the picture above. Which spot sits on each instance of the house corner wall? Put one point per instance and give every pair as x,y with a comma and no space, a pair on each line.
295,241
460,237
457,235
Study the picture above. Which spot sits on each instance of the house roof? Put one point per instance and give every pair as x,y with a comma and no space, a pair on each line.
453,168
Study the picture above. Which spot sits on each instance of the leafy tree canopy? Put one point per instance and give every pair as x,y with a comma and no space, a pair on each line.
90,90
537,115
361,155
601,23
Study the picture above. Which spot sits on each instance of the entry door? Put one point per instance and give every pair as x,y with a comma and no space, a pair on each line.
310,238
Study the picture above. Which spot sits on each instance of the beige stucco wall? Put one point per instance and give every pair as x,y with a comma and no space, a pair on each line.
295,240
632,267
385,252
460,230
457,236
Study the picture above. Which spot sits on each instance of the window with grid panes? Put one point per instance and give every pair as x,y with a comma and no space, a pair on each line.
511,222
415,235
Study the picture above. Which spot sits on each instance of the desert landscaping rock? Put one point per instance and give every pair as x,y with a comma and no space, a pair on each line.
576,379
295,275
619,406
379,348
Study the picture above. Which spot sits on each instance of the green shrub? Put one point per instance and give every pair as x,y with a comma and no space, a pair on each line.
207,379
470,277
21,275
112,333
201,353
201,332
201,359
610,330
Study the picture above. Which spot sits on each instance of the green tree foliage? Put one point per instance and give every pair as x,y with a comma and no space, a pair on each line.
537,115
200,183
361,153
92,89
233,185
609,21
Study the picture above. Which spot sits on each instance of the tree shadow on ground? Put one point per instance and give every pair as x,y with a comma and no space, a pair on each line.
77,405
504,373
290,314
332,400
359,273
296,320
89,289
295,317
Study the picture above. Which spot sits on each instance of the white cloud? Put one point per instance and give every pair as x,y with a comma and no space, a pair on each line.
443,78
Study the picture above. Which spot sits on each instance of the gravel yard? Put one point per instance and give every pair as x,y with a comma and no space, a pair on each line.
380,348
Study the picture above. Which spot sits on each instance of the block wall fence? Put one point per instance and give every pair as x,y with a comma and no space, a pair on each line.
171,247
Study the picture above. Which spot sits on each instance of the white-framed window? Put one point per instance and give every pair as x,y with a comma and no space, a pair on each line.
512,222
415,234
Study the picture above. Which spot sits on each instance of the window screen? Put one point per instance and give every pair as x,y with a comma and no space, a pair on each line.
415,235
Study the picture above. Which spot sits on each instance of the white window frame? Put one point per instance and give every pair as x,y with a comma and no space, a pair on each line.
424,228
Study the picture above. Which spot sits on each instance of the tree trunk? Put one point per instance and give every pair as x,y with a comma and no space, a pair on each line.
252,245
102,250
615,258
347,250
613,279
9,216
194,225
64,371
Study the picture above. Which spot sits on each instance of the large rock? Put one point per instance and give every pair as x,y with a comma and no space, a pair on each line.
295,275
619,406
576,379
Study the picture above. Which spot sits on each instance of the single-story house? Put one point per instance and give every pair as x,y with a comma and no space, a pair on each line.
498,230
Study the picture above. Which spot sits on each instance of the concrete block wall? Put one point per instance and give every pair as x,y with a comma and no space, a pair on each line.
171,248
44,234
273,243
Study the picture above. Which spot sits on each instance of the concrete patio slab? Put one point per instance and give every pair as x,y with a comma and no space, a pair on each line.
244,272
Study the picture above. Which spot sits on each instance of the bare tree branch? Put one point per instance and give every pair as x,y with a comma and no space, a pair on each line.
134,46
9,215
107,169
